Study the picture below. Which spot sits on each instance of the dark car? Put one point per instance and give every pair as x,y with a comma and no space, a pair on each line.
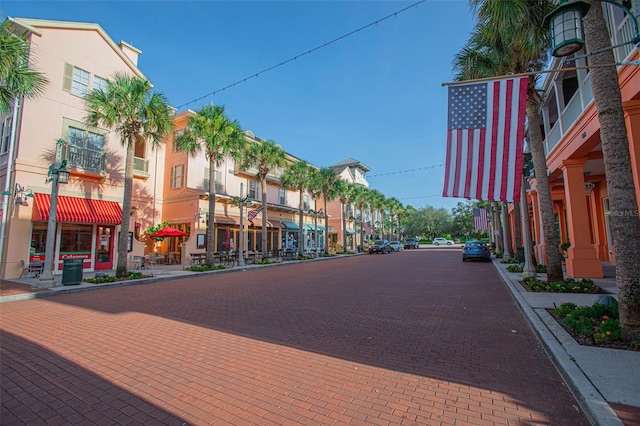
411,243
380,246
476,250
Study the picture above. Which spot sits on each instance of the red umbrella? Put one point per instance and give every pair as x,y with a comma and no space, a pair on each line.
168,232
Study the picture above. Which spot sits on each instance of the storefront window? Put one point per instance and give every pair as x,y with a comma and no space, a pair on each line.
38,241
75,239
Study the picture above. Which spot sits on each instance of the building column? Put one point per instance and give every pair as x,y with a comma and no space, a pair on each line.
582,261
597,221
632,120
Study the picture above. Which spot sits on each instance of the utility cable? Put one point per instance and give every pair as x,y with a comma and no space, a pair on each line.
308,52
406,171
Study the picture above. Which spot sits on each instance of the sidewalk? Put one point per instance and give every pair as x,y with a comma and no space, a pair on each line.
602,379
605,382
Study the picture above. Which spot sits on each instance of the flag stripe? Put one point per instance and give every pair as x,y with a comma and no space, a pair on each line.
484,140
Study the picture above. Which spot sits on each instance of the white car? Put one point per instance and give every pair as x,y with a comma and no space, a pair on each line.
444,241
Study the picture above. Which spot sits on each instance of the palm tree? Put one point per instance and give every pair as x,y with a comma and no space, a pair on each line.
263,156
17,78
211,131
297,177
375,200
327,181
343,189
128,107
394,206
509,38
625,226
360,199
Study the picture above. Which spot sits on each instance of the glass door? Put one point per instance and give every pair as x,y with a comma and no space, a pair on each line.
104,248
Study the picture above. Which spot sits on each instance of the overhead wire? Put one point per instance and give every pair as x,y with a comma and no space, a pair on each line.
406,171
308,52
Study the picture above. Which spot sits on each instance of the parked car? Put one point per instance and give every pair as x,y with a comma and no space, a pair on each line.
443,241
380,246
476,250
411,243
396,246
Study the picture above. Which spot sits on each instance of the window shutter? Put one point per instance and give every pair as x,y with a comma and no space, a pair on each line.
68,77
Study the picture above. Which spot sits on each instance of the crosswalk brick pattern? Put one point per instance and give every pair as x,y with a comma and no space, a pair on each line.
410,338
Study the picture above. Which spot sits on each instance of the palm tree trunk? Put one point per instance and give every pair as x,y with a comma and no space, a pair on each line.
506,231
343,206
625,224
121,268
300,222
211,229
326,228
551,239
497,227
263,186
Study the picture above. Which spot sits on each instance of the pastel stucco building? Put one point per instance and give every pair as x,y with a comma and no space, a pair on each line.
169,184
75,58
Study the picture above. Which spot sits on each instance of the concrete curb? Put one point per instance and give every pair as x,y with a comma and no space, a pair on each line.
554,340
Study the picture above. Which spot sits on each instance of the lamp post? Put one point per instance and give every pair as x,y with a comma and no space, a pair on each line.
58,174
567,31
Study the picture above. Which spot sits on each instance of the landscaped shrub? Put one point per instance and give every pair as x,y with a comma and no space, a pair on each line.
514,268
541,268
600,322
204,267
569,285
510,260
111,279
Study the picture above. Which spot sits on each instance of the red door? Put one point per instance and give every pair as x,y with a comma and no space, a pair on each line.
104,247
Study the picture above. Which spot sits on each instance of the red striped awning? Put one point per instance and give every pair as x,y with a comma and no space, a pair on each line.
80,210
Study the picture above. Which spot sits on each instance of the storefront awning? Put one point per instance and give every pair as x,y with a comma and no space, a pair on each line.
290,225
312,227
275,223
225,220
79,210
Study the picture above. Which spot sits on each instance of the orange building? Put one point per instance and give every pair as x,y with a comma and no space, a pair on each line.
574,155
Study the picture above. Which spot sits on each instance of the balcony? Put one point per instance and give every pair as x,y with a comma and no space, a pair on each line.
141,167
85,159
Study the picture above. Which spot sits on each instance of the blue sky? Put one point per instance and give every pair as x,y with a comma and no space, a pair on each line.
375,96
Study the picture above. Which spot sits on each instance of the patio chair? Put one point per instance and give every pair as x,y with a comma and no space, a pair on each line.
34,269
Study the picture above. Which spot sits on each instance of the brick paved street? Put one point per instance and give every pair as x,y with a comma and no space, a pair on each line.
416,337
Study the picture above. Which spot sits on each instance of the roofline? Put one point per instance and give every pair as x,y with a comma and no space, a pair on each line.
31,26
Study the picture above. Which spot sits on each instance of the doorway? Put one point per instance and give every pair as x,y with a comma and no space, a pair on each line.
104,248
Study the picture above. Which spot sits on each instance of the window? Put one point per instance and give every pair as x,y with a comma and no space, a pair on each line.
306,202
253,190
76,80
177,176
85,149
5,134
99,83
176,134
282,196
217,179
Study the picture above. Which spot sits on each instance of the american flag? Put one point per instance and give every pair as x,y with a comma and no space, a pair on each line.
480,220
485,135
253,213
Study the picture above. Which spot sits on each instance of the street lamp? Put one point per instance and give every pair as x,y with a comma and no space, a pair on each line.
58,174
567,33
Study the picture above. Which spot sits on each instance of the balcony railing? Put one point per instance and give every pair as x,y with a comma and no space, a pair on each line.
87,159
